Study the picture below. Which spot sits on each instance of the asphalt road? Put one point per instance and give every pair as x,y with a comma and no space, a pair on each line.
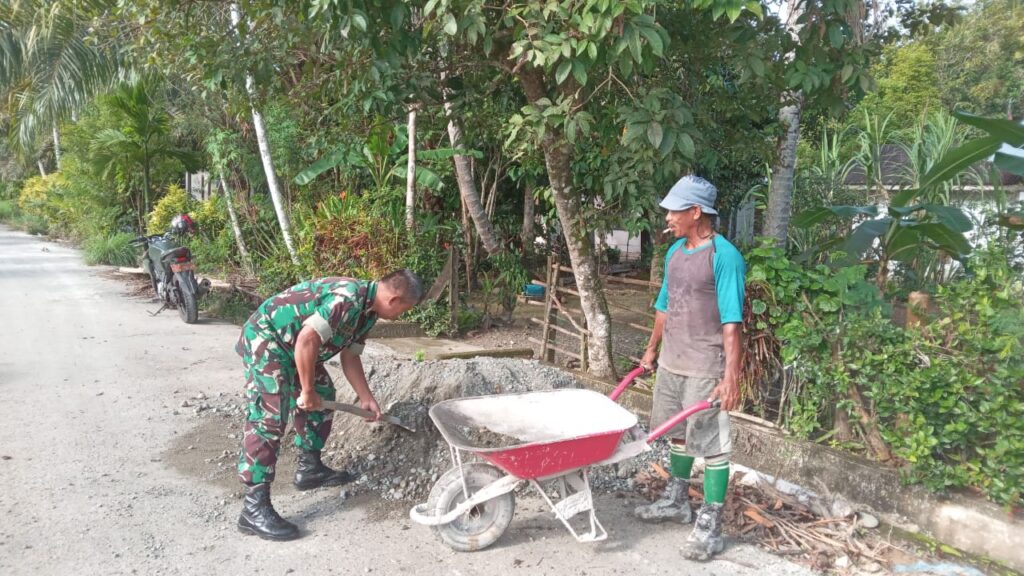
103,471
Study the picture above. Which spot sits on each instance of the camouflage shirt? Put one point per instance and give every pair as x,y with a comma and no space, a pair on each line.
337,308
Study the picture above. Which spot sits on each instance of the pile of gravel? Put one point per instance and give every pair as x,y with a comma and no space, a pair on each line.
403,466
399,465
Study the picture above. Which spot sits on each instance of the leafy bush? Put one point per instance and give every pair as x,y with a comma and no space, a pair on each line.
175,201
433,318
112,249
944,401
40,198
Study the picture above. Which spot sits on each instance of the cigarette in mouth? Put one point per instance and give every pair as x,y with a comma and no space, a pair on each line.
666,230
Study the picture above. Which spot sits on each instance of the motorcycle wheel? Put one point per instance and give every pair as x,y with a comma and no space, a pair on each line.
188,308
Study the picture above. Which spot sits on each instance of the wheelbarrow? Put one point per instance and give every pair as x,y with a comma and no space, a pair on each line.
550,437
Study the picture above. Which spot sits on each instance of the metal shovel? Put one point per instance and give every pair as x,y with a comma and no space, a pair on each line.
353,409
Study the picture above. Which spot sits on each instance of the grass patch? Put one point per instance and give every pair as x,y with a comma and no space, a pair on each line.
112,249
230,306
35,225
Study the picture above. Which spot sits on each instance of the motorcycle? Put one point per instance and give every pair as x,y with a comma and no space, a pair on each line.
171,270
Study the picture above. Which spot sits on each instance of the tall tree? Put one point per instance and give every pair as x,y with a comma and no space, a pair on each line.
49,69
143,138
265,154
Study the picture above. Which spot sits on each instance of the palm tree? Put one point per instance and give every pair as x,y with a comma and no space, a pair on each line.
49,66
144,137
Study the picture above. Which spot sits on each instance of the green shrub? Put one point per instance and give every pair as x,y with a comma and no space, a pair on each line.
33,224
111,249
8,210
230,306
946,399
175,201
433,318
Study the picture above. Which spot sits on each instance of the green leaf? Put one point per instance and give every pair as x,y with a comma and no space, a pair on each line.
397,16
758,306
733,12
635,49
814,216
579,72
563,71
835,35
686,146
655,134
956,161
322,165
903,198
1007,131
1010,163
756,65
359,20
950,216
654,39
429,8
846,73
947,239
451,26
904,244
864,236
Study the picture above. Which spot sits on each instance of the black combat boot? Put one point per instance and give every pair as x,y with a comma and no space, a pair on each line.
313,473
259,517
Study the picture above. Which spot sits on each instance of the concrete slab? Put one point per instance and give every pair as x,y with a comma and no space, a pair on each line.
424,348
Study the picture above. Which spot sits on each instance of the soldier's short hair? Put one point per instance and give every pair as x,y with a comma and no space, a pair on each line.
406,283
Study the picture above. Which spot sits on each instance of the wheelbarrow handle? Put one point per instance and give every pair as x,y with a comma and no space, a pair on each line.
626,382
683,415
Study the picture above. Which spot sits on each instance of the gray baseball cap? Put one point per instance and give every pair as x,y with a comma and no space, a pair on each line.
691,191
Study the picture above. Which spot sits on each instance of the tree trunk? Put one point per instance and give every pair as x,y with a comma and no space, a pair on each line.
780,198
42,169
239,239
467,187
145,181
410,176
56,145
265,156
528,217
558,159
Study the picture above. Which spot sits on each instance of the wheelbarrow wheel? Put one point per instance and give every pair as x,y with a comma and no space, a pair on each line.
485,522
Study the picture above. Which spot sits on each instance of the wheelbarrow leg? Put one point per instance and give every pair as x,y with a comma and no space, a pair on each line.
576,498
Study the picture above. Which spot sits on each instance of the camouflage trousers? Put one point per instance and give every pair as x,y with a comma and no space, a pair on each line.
272,389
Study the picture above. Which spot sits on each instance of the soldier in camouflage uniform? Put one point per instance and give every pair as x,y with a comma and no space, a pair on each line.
284,345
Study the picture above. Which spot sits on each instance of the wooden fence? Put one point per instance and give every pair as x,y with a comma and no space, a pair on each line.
569,322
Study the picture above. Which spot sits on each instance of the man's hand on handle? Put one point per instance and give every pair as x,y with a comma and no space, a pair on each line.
728,392
649,359
370,404
309,401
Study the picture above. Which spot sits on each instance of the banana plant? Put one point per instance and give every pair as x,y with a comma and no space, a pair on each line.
384,155
906,229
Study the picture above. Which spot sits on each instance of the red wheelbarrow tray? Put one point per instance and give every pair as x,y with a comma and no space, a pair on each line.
556,430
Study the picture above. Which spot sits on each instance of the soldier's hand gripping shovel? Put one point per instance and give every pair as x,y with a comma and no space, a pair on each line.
353,409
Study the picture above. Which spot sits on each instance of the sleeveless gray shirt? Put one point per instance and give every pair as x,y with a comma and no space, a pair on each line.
692,341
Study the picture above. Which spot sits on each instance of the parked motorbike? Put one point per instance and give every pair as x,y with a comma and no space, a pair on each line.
171,270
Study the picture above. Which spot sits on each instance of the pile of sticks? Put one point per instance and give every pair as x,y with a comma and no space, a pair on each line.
780,523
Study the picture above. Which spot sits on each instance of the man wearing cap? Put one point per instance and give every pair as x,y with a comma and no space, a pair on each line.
699,311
